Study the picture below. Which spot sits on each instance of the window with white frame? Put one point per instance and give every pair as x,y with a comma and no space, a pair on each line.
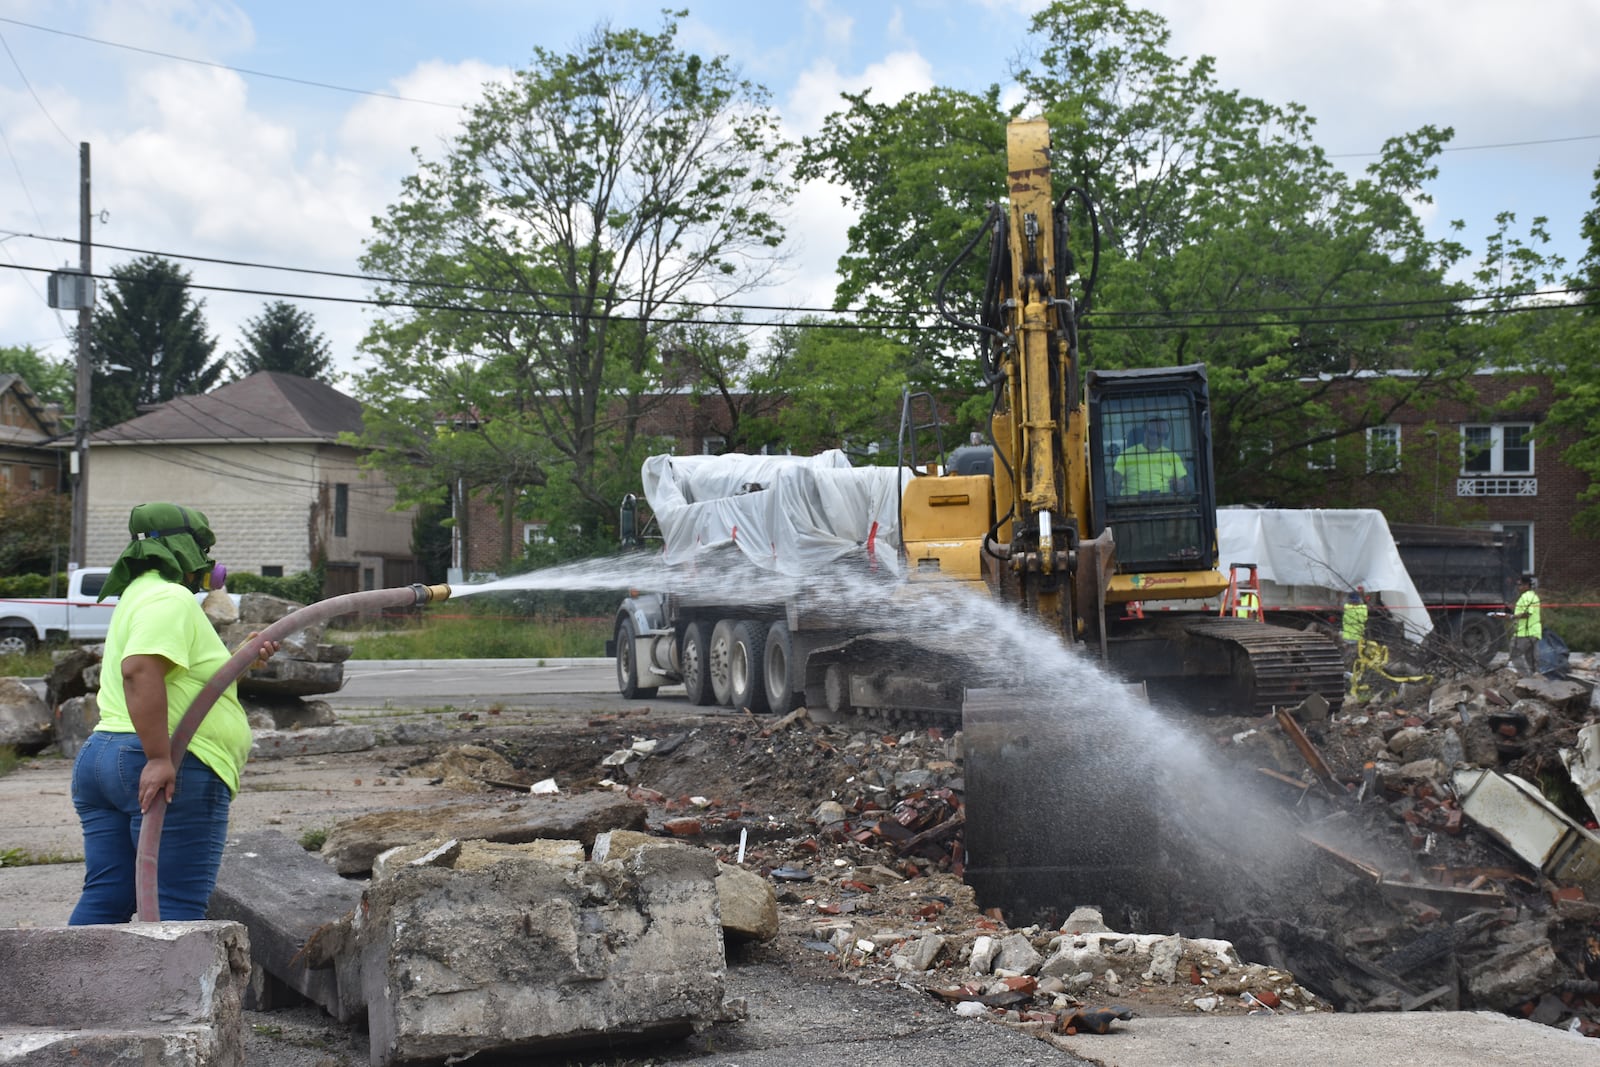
1497,460
713,445
1497,448
535,533
1383,448
1322,455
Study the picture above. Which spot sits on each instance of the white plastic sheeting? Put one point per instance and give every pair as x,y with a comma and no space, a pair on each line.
807,512
1313,557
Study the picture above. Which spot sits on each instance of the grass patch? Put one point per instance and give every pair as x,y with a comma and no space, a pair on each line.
8,760
312,840
473,637
21,857
1579,627
35,664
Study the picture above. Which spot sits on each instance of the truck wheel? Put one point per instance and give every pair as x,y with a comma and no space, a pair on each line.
719,659
745,667
627,667
15,640
695,657
779,668
1480,637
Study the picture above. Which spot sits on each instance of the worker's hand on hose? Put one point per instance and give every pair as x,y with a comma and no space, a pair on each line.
158,779
268,650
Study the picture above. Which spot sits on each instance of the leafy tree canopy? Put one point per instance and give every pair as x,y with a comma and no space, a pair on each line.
283,338
149,341
53,381
1225,235
581,204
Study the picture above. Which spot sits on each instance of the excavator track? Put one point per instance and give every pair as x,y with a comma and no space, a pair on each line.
1286,666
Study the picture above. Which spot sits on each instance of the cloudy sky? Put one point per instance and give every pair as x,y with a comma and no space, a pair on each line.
285,140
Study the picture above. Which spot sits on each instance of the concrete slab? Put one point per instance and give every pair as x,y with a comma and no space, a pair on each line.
1434,1039
163,994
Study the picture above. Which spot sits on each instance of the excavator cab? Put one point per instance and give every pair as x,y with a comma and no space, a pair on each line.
1150,467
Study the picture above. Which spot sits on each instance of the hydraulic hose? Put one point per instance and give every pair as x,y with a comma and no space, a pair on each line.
145,883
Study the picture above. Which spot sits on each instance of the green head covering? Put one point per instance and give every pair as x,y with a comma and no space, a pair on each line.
167,538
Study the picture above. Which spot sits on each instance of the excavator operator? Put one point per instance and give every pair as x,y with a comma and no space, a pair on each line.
1150,466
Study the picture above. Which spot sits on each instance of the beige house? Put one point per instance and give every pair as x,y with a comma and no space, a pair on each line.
261,457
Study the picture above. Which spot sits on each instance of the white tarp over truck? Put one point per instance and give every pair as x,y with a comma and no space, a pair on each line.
1313,557
789,514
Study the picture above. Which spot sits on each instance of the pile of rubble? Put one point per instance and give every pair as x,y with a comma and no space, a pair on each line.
277,696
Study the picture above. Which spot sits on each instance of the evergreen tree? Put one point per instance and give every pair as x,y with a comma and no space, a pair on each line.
149,341
283,338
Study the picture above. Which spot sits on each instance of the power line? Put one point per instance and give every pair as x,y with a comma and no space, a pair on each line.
707,305
1481,147
224,66
1089,323
29,86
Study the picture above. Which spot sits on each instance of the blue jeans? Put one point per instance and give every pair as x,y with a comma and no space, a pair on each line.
105,790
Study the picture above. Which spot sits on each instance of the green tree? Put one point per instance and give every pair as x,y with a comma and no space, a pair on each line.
582,203
283,338
53,381
1224,235
840,388
149,341
33,530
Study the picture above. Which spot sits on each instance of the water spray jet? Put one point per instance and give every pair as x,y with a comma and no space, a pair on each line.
145,877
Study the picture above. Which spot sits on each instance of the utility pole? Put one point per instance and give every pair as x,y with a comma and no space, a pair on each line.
80,448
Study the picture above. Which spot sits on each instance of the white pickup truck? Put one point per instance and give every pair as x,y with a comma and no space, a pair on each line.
26,623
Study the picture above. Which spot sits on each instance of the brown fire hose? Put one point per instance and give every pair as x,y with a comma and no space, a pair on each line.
145,883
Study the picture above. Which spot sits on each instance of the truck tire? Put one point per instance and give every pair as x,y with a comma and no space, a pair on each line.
695,657
745,665
779,668
15,640
627,665
1480,637
719,657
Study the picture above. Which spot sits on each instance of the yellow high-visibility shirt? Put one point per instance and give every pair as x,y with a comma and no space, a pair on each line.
1355,622
1531,625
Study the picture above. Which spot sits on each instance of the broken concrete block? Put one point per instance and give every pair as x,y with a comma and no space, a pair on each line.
918,955
292,677
68,675
284,896
220,609
25,720
747,904
285,744
471,855
1564,694
525,956
291,713
166,994
75,721
1016,955
352,845
1514,975
1085,920
1583,765
984,949
746,901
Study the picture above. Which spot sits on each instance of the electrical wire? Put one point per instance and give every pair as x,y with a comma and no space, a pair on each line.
1088,325
224,66
29,86
720,305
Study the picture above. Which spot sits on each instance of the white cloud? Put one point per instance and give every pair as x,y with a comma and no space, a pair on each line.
816,91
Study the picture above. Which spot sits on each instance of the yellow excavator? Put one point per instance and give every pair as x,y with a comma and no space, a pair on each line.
1095,504
1093,508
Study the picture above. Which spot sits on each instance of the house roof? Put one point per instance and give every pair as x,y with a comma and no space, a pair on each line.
267,406
47,424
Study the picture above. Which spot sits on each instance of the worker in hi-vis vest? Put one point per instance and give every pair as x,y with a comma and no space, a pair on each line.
1248,605
1355,618
1526,628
